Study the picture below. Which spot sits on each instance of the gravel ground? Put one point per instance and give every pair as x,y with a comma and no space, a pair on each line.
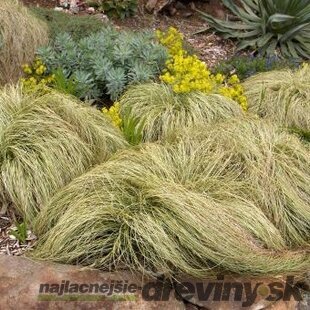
9,244
210,47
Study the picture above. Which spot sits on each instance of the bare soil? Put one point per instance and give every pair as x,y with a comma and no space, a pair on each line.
210,47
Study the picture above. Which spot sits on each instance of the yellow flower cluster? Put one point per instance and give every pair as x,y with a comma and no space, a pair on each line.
114,114
172,39
235,91
36,77
186,73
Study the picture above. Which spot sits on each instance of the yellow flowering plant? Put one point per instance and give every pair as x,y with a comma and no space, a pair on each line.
36,77
186,73
114,114
172,39
132,131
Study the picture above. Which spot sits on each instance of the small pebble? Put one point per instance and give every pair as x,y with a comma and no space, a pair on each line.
90,10
12,237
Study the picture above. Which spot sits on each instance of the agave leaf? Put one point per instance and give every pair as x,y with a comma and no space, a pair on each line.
303,52
287,21
250,10
291,48
248,34
264,39
227,24
299,7
303,42
273,7
284,50
252,4
271,47
304,15
292,33
246,43
279,22
269,5
243,35
241,13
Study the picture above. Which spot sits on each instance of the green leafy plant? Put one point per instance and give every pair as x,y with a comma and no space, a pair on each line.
268,24
119,8
58,22
247,65
132,128
64,85
20,233
105,63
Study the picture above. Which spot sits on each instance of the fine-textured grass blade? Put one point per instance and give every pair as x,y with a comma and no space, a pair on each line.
283,96
20,35
229,197
158,111
45,142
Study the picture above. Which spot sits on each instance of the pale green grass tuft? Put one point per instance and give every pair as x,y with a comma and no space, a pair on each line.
20,35
282,96
275,167
45,142
158,111
188,207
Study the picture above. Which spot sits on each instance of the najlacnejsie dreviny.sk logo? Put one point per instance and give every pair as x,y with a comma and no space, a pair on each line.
160,290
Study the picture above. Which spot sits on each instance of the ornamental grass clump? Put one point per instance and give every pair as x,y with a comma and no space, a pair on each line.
157,111
45,142
283,96
20,35
183,208
275,166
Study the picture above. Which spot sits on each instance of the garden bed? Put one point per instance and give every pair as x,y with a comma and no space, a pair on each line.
138,145
210,47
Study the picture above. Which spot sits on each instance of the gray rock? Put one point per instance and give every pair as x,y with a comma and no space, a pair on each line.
21,279
221,293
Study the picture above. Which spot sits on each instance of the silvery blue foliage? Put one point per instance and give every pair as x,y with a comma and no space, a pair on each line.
105,63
